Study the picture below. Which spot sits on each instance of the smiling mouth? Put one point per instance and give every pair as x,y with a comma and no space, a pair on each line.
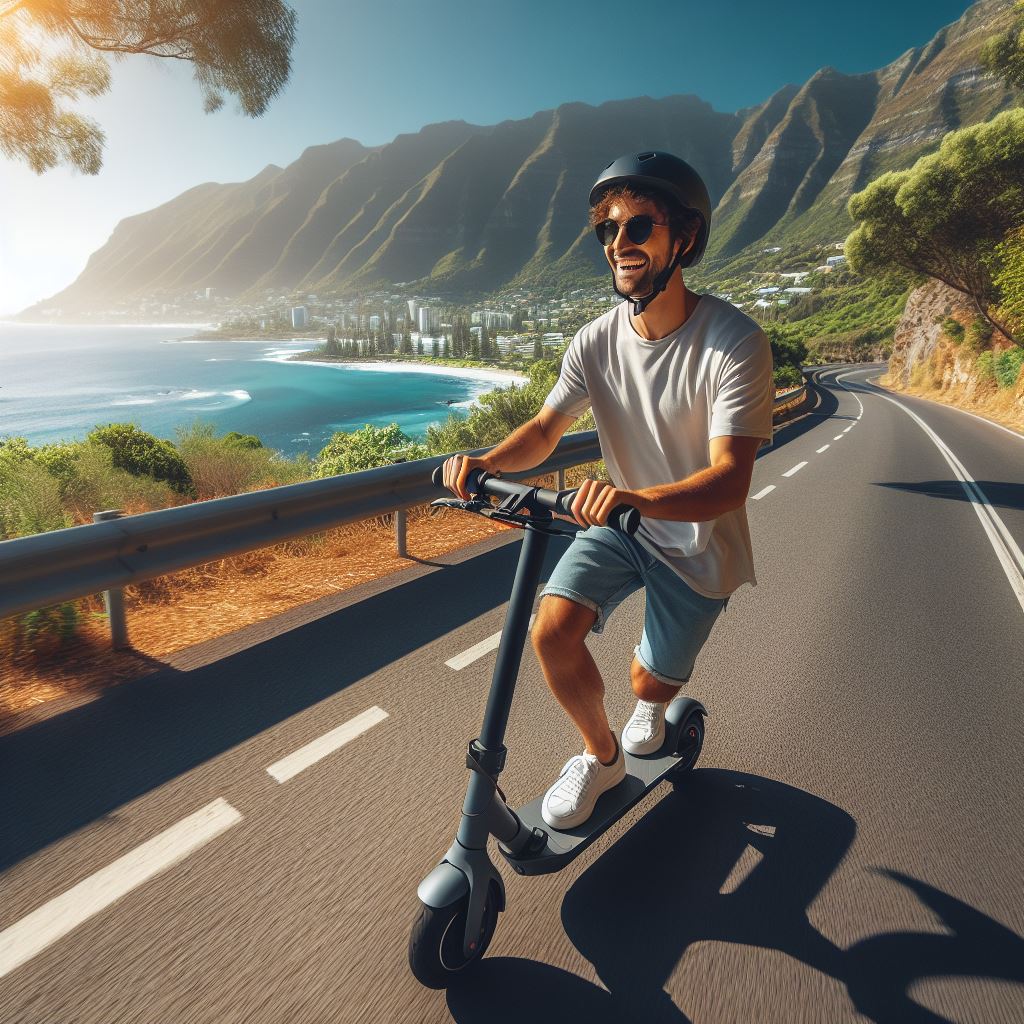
629,268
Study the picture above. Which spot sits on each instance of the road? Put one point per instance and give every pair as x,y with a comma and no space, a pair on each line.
848,849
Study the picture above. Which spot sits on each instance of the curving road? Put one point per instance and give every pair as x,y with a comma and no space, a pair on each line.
850,848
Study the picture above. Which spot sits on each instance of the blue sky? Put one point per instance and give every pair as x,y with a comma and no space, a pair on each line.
371,69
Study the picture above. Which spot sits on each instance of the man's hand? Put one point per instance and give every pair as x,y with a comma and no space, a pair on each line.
457,469
595,500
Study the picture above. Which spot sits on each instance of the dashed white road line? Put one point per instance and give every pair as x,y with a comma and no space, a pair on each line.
838,437
1006,548
468,656
821,449
290,766
764,490
22,941
795,469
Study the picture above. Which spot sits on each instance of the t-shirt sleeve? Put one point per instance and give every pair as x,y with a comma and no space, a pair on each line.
569,396
746,391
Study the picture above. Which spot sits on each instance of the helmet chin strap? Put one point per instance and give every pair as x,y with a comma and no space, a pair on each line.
660,283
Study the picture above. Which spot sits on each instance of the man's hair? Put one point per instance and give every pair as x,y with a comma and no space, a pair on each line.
682,222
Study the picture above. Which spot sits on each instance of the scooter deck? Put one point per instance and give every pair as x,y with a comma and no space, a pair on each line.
642,774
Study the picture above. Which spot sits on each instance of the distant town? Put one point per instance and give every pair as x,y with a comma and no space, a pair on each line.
510,325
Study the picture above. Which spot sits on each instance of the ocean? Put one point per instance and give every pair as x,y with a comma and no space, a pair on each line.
58,382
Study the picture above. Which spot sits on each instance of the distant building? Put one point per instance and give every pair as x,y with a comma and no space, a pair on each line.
835,261
209,293
374,323
798,291
768,291
299,318
428,320
413,308
774,248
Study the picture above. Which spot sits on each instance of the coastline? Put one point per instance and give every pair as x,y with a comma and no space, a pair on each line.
480,373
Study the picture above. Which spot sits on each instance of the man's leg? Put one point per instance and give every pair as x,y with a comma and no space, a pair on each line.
646,687
558,638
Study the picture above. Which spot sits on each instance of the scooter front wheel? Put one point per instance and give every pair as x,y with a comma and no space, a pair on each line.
435,945
691,742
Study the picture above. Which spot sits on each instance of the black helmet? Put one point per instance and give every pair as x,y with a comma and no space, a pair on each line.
672,178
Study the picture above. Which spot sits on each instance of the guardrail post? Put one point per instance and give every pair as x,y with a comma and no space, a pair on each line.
561,480
113,600
400,532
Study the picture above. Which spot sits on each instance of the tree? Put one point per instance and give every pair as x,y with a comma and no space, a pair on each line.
239,48
1003,54
538,346
945,216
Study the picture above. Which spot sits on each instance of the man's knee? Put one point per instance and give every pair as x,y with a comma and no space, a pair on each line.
561,624
648,687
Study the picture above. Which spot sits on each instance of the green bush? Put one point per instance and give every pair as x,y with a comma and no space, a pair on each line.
243,440
978,335
142,454
787,376
55,624
30,500
953,329
1007,366
985,366
366,448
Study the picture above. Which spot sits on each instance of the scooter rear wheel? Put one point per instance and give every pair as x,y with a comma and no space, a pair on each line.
691,742
435,945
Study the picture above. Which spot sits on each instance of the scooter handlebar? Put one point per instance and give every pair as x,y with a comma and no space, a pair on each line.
624,518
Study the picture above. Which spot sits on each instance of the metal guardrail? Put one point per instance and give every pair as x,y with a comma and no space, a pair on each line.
107,555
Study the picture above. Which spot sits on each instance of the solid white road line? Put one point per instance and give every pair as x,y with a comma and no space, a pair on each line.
822,448
765,490
468,656
290,766
1006,548
795,469
55,919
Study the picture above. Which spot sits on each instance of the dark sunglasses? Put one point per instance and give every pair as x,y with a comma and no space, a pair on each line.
638,229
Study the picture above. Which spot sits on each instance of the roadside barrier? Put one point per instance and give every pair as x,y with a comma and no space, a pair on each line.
115,551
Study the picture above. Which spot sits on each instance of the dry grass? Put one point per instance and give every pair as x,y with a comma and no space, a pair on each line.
933,379
170,613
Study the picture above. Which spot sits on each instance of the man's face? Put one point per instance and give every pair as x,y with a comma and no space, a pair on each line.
636,266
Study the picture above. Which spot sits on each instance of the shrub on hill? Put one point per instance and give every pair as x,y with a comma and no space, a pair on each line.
142,454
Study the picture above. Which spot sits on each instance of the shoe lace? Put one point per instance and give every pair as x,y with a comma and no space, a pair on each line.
646,712
577,773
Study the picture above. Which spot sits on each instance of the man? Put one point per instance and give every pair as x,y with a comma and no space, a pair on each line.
681,388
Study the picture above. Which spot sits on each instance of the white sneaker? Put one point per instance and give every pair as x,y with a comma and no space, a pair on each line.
570,801
645,731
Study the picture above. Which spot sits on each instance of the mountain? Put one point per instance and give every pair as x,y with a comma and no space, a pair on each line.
459,209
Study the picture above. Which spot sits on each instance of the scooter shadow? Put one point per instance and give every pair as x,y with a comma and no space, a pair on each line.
733,858
663,886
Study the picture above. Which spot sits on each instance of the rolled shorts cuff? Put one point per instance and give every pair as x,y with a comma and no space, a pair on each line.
667,680
573,595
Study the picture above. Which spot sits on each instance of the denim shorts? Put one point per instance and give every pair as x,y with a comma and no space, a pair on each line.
602,567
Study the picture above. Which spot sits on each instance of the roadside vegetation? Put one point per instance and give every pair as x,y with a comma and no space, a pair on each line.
54,486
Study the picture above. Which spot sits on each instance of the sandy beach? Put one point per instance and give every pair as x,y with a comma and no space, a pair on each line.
489,374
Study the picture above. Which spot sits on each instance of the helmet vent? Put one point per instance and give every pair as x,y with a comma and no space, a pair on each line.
644,156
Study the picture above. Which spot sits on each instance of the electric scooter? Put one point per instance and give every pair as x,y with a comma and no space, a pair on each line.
462,897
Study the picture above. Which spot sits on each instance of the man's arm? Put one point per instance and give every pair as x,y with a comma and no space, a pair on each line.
527,446
706,494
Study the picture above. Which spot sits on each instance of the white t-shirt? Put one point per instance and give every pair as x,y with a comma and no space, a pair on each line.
657,404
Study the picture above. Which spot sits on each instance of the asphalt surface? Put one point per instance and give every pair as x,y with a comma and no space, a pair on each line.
849,848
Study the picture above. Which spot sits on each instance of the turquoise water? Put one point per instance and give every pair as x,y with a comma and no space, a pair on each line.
57,383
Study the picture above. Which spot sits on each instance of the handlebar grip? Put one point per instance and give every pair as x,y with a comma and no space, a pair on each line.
624,518
473,481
